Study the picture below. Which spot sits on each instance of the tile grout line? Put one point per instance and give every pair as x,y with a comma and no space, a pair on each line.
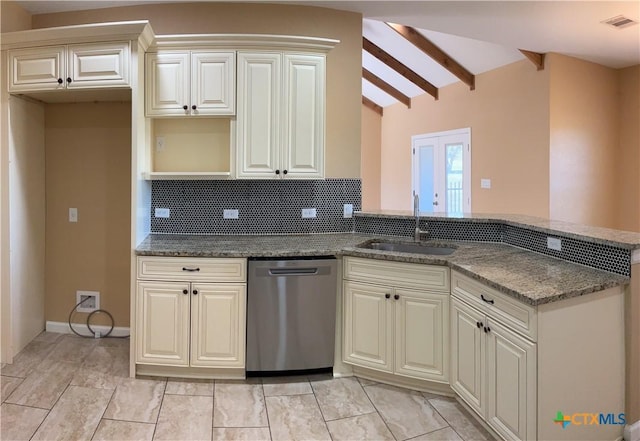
446,420
266,410
364,388
320,409
113,392
49,412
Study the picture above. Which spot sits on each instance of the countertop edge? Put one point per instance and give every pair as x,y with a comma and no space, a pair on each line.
615,280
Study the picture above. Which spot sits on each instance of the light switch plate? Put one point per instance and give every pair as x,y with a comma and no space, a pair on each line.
308,212
347,211
485,183
73,215
162,212
554,243
230,214
159,143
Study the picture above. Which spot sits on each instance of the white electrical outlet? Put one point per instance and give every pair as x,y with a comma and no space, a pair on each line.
159,143
554,243
230,214
73,215
485,183
347,211
90,301
308,213
162,212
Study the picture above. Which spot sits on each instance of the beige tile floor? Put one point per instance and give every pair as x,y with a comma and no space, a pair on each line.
63,387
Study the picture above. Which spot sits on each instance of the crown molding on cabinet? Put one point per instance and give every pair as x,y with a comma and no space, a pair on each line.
243,41
139,30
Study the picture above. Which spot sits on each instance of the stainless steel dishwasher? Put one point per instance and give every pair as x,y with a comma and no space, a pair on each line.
291,314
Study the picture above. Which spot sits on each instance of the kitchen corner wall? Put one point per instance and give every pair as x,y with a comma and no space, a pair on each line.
370,160
13,17
584,138
508,113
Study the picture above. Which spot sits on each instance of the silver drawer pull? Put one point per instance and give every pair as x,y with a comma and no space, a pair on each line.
192,270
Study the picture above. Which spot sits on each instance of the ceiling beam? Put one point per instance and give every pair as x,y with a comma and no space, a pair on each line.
536,58
434,52
396,65
386,87
371,105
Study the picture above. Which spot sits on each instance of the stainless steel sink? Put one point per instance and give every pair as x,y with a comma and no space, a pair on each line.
407,247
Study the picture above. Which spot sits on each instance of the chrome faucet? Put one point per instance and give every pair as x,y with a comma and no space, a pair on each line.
416,213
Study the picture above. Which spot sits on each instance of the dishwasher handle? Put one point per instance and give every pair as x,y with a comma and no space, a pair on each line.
292,271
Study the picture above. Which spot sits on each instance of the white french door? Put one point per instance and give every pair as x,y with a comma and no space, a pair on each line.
442,171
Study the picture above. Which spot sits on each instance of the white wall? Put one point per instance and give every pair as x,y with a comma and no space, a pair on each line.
26,220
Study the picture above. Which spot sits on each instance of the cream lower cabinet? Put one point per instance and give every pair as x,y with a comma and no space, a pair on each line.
396,318
494,371
191,323
518,365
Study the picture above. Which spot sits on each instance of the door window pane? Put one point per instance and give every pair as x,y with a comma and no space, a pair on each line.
453,176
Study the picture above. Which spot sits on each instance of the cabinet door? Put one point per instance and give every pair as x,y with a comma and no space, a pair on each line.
258,120
162,323
421,335
467,354
167,84
303,143
368,326
213,83
37,69
218,324
511,383
98,65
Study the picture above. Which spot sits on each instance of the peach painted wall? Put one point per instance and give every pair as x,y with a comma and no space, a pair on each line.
583,141
509,118
344,62
88,166
628,171
13,17
370,162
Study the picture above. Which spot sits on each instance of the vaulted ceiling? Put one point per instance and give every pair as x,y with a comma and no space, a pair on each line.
478,35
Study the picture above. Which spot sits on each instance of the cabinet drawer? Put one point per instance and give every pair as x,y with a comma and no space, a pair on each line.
408,275
192,269
511,312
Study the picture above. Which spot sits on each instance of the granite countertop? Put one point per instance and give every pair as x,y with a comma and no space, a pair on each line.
527,276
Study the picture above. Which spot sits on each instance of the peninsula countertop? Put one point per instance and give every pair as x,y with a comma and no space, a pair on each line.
527,276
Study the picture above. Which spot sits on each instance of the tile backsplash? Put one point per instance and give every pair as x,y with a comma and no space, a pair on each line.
264,206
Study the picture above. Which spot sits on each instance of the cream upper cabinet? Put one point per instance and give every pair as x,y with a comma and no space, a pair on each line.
78,66
190,83
191,312
398,327
303,142
281,114
258,121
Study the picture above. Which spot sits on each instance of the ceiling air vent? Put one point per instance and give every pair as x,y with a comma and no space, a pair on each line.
620,21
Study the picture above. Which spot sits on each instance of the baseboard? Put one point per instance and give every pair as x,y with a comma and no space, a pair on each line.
632,431
81,328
